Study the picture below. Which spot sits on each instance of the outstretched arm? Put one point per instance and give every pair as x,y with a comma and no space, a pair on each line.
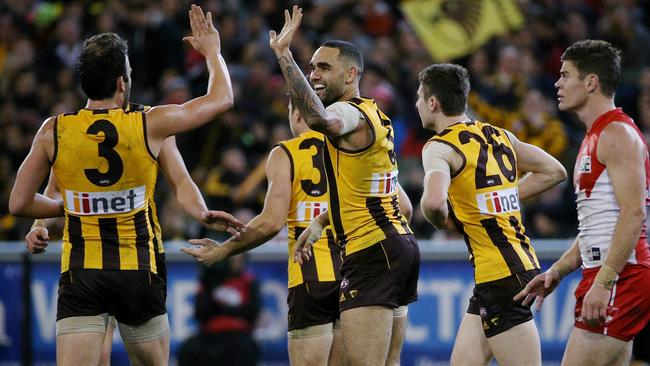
544,170
303,96
187,193
265,225
544,283
167,120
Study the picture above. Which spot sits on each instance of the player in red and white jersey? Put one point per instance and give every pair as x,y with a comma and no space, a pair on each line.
611,178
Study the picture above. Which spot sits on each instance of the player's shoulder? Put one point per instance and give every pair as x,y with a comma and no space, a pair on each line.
47,127
619,135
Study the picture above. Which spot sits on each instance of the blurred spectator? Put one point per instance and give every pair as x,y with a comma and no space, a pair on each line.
39,42
538,127
226,307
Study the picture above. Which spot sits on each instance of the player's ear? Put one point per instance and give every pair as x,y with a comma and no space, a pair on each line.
121,84
592,82
433,103
352,74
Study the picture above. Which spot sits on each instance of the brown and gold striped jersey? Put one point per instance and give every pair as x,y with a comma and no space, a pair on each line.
483,201
309,199
106,175
363,205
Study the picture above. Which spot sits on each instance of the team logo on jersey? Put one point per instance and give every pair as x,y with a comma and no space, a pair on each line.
109,202
496,202
584,166
307,210
384,183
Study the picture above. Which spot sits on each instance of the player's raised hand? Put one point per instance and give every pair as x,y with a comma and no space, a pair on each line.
222,221
206,251
37,239
281,42
538,288
205,37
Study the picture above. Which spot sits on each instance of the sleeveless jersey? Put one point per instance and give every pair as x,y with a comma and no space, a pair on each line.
106,175
363,207
159,248
598,210
483,201
308,200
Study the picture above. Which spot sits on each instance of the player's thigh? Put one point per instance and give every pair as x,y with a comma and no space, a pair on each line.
79,339
147,343
337,352
107,344
311,345
366,334
471,347
400,317
507,346
595,349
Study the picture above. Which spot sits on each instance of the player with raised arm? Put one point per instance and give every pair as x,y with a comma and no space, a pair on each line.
104,161
380,255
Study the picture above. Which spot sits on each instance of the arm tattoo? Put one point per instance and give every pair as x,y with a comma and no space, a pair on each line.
303,96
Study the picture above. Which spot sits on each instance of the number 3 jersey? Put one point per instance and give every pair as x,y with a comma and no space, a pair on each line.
106,175
308,200
483,201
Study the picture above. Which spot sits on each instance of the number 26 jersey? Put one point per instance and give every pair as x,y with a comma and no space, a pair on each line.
483,201
106,175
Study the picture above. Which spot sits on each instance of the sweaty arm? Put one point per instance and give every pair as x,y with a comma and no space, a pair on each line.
622,152
276,206
436,158
25,200
544,171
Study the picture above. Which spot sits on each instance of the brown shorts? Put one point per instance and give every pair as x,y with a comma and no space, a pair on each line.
492,301
313,303
384,274
133,297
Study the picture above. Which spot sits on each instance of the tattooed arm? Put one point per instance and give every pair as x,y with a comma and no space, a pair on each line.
303,96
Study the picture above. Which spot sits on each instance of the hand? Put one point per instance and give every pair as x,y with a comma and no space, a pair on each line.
205,37
222,221
538,288
280,43
594,306
37,239
302,247
206,251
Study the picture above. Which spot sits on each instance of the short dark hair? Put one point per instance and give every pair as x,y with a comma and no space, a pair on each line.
102,61
347,50
599,58
449,83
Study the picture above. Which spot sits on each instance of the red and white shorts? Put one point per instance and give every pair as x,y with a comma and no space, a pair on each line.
629,306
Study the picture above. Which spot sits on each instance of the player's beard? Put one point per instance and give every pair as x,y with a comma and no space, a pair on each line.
333,94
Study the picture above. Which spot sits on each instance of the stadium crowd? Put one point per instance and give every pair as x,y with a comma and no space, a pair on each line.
512,82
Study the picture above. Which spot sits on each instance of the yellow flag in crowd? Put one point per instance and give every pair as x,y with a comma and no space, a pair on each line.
453,28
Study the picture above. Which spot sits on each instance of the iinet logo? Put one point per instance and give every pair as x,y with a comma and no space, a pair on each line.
306,211
97,203
496,202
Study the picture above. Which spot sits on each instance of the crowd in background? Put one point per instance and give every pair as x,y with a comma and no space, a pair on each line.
512,82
